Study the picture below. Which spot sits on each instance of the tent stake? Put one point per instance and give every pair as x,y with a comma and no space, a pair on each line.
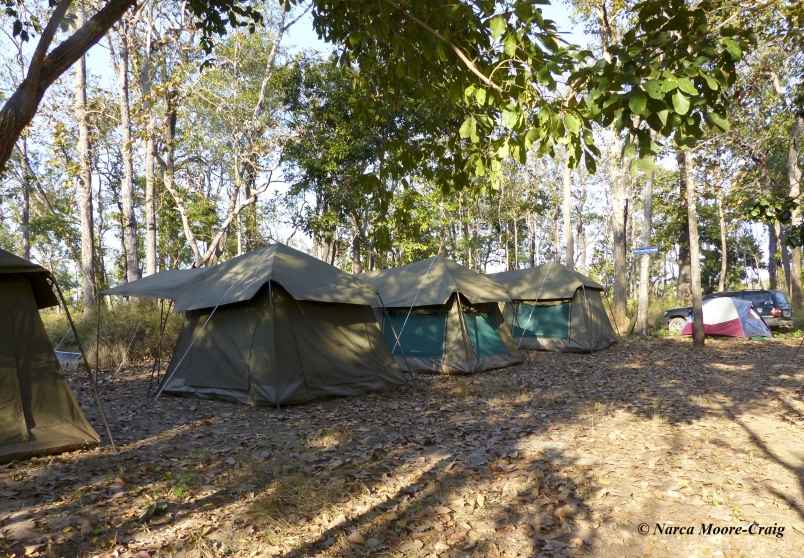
55,283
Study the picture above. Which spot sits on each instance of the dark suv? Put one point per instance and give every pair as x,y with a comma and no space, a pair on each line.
773,306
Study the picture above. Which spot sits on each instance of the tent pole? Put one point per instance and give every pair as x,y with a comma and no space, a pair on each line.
586,315
398,342
273,341
535,302
86,362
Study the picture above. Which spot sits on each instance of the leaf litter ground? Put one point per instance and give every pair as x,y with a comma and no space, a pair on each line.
565,455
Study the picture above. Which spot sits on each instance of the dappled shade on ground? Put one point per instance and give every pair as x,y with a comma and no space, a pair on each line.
562,456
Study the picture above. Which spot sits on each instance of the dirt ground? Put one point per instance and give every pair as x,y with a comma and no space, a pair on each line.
646,449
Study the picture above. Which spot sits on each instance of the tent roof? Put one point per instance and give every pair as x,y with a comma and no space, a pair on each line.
431,282
239,279
548,281
36,275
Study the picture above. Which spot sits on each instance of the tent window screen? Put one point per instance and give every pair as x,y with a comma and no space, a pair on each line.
422,336
549,322
482,329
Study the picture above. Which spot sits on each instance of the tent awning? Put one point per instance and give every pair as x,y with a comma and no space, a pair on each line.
35,274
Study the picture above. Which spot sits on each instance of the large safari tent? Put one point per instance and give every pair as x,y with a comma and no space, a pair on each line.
271,327
38,413
446,317
555,308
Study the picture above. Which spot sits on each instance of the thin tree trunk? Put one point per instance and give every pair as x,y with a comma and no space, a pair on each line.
794,180
150,155
84,182
26,200
568,238
773,247
357,267
644,269
684,289
128,216
686,167
721,283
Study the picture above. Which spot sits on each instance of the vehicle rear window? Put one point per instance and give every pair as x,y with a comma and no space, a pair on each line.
781,300
757,298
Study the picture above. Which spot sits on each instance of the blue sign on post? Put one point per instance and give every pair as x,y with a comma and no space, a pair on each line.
645,250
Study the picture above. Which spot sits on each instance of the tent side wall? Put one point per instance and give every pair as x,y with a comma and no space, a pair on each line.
315,350
38,413
474,340
588,328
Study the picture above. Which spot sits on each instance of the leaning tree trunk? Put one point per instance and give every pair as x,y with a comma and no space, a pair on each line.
568,238
794,180
644,265
686,168
128,217
84,177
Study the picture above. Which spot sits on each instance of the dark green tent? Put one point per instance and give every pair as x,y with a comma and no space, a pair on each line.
555,309
447,318
274,326
38,413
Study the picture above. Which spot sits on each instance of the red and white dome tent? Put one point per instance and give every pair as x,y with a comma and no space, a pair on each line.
730,317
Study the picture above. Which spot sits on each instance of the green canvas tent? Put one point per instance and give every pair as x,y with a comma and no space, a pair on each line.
555,309
273,326
447,318
38,413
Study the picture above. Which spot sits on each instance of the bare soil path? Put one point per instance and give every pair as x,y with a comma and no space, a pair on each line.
566,455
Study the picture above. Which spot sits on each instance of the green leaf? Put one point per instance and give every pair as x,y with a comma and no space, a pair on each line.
468,127
687,87
510,118
669,85
653,87
497,26
647,164
572,123
717,120
710,82
480,95
637,101
733,47
681,103
510,45
629,150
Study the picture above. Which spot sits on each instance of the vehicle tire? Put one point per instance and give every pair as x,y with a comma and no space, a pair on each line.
676,324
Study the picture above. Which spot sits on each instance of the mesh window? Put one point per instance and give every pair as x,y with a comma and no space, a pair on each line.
549,322
482,330
422,336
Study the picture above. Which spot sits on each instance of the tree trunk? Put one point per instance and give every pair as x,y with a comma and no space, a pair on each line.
644,265
773,247
724,260
686,167
568,238
150,155
794,180
684,289
357,267
85,177
581,229
26,200
128,216
618,222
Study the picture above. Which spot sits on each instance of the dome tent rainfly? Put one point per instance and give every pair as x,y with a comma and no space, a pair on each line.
555,308
447,318
730,317
38,413
273,326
